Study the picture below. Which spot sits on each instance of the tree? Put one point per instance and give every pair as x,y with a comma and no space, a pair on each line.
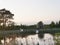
5,16
52,25
59,23
10,23
40,25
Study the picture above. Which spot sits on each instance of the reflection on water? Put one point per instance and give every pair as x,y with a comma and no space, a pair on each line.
31,40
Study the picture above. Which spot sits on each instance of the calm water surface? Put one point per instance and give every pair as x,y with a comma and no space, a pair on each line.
31,40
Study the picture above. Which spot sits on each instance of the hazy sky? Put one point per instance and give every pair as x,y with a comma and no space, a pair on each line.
33,11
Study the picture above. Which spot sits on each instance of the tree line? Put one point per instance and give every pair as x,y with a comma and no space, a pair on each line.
41,25
6,22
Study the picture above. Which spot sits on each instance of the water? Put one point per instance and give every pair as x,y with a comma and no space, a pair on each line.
31,40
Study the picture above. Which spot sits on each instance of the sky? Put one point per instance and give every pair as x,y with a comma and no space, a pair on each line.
32,11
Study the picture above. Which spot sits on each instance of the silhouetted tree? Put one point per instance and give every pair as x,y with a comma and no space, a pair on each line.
59,23
5,16
11,23
52,25
40,25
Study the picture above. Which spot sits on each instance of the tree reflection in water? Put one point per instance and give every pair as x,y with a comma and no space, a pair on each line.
32,40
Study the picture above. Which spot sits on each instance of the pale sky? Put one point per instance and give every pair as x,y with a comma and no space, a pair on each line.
33,11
